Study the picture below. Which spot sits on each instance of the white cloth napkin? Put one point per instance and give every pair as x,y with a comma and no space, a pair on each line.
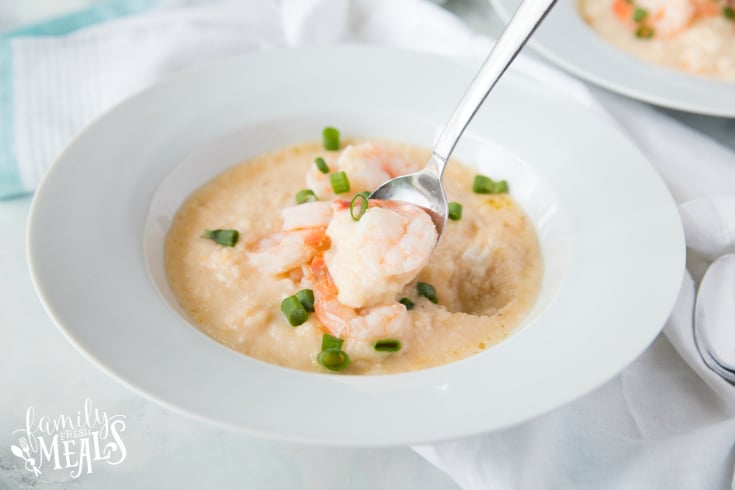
665,422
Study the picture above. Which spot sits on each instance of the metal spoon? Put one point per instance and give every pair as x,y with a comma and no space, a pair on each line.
714,317
424,188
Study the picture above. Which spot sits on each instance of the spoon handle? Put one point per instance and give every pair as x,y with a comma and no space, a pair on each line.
528,16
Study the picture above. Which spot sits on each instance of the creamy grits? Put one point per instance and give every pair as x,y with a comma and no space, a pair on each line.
695,36
486,269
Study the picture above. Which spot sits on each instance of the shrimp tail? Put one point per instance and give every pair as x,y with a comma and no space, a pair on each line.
331,314
317,239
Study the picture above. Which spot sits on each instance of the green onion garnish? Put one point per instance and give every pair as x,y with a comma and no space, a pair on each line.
728,12
644,32
334,360
330,342
306,195
331,138
358,211
455,211
340,182
427,291
332,356
295,312
306,298
228,238
387,345
365,193
639,14
486,185
321,164
407,303
482,184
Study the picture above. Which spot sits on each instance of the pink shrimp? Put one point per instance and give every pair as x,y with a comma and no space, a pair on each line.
356,325
284,251
367,166
664,18
302,236
372,259
356,280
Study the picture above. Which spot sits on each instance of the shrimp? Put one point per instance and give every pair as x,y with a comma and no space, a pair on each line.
664,17
359,327
709,8
667,17
284,251
368,262
367,166
372,259
319,182
302,236
307,215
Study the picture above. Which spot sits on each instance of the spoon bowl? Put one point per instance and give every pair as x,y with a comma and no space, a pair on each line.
424,188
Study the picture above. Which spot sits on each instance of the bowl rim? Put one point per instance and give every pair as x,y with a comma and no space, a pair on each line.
563,34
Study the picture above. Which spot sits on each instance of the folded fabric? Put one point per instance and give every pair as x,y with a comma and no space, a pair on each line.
656,425
16,174
58,76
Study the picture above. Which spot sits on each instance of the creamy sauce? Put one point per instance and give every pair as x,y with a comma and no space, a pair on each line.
705,47
487,269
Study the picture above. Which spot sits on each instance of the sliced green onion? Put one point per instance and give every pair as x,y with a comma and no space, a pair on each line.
294,311
306,298
357,213
644,32
331,343
482,185
365,193
334,360
454,211
321,164
387,345
407,303
330,138
340,182
427,291
728,12
486,185
639,14
500,187
332,356
228,238
306,195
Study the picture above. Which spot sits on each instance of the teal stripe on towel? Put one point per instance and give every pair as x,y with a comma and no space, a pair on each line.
10,181
95,14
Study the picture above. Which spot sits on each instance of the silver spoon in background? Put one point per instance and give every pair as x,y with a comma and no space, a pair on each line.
714,318
424,188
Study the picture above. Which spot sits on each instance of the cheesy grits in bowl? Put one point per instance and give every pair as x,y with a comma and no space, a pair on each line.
284,258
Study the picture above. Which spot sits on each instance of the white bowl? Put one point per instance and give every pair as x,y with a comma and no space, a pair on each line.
565,39
610,234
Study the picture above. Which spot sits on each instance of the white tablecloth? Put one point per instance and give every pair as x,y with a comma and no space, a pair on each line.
165,450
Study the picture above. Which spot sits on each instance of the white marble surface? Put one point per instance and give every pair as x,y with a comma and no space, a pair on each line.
40,368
